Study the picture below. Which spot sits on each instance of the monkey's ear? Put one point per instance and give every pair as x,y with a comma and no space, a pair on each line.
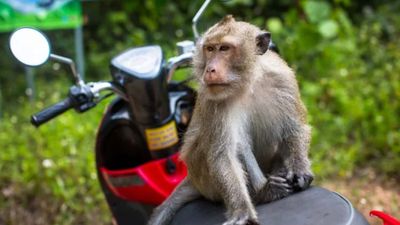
262,42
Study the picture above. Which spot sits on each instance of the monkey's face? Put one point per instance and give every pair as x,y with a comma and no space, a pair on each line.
219,78
226,57
223,64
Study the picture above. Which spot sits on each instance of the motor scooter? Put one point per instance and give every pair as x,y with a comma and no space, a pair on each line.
138,139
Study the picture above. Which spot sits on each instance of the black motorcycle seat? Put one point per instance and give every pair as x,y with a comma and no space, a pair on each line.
313,206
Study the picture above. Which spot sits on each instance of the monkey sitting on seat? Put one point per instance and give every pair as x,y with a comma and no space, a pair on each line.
248,138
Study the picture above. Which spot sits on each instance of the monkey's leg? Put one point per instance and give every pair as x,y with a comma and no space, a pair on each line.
231,182
256,176
183,193
295,174
298,164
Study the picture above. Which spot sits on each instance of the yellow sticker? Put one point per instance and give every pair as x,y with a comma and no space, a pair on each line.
162,137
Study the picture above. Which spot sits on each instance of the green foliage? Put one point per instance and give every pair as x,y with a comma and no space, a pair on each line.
316,11
349,81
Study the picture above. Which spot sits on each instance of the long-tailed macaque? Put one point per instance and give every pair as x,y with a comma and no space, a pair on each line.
248,139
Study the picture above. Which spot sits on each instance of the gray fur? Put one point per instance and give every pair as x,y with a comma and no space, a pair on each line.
182,194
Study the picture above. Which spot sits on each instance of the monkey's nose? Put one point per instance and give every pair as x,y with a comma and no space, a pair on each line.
210,70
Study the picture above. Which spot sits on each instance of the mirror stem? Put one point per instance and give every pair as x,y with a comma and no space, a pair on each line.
71,63
197,17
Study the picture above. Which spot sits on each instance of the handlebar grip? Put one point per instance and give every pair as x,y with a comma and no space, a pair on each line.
51,112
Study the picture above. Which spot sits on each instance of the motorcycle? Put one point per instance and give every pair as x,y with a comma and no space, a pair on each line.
138,139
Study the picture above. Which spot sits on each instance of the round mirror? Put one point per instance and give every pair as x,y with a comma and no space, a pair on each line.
29,46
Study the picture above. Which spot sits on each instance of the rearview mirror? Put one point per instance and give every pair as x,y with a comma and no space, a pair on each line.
29,46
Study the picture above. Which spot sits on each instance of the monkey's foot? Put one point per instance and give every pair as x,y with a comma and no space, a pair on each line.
276,188
301,182
242,219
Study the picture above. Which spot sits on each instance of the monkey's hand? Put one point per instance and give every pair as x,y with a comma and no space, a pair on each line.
277,187
242,218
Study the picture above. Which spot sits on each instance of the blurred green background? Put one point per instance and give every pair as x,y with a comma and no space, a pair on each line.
346,54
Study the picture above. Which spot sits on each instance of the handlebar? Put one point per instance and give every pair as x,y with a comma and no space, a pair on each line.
85,96
82,98
52,111
178,61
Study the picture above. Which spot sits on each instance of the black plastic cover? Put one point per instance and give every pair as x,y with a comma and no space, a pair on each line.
315,206
140,72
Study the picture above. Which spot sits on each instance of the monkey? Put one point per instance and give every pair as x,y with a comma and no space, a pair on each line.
248,139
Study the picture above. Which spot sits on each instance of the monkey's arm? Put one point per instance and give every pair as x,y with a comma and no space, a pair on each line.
183,193
298,163
256,176
230,180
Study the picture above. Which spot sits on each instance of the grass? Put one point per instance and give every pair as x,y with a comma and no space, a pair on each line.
48,174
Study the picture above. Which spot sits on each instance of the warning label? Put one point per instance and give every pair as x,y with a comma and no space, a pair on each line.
162,137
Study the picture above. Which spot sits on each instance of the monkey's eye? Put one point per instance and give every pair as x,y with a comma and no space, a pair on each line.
224,48
210,48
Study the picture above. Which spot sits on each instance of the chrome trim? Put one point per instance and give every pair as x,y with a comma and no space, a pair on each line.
178,61
97,87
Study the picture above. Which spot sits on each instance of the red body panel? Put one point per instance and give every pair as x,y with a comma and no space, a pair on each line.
387,220
149,183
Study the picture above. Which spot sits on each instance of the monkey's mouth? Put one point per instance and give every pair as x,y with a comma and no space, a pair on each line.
213,85
217,88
